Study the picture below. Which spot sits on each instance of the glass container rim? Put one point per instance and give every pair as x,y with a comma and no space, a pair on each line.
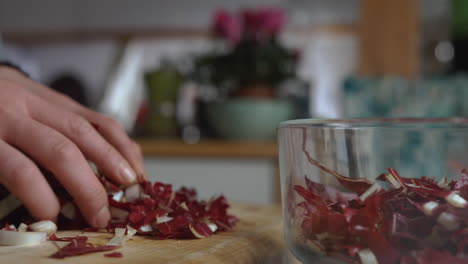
377,123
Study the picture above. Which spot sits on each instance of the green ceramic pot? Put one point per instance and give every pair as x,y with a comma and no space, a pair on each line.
248,119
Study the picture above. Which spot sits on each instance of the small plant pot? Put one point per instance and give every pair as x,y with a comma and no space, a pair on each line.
249,119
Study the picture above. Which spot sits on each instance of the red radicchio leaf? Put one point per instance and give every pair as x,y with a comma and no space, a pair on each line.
8,227
178,224
161,190
71,250
112,187
136,216
385,253
462,184
357,185
311,198
77,246
200,230
412,228
398,178
328,193
147,188
53,237
151,216
113,255
462,237
79,239
335,224
311,226
433,256
408,260
90,229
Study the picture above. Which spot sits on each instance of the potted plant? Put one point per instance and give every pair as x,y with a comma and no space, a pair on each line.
247,65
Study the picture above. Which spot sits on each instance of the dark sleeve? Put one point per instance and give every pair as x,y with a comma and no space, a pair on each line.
13,66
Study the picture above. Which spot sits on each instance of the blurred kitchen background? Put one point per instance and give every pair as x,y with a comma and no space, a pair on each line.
203,84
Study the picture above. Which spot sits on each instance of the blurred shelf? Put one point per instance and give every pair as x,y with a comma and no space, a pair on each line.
54,36
83,35
208,149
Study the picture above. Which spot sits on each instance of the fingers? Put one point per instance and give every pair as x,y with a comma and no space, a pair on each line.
115,134
24,180
111,130
59,155
89,141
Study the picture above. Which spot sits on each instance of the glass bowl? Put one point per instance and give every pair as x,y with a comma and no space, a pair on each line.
375,190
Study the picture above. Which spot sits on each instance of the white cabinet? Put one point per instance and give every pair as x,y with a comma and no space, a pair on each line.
238,179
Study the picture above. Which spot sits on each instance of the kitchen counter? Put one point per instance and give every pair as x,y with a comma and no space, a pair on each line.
257,238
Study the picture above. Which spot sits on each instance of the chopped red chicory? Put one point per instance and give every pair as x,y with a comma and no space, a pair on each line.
414,221
357,185
113,255
151,209
156,210
77,246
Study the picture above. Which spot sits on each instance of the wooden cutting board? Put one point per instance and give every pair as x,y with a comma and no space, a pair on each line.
257,238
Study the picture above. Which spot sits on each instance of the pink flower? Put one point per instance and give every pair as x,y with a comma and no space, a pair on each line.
271,20
263,23
228,26
250,21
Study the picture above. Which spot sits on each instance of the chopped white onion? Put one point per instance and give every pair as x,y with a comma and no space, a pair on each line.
393,181
322,236
44,226
429,207
68,210
213,227
117,196
163,219
93,168
374,188
130,232
367,257
456,200
184,206
120,232
195,232
315,246
394,223
444,183
145,228
144,195
8,205
118,215
13,238
120,238
117,241
449,221
22,227
133,193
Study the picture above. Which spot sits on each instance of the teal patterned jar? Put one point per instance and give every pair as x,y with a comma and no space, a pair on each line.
398,97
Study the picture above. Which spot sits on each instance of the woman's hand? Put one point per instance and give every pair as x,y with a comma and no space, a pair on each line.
41,127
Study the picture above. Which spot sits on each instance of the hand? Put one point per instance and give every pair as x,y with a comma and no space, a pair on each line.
40,126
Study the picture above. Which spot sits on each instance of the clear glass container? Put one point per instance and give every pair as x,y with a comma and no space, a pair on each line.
353,190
